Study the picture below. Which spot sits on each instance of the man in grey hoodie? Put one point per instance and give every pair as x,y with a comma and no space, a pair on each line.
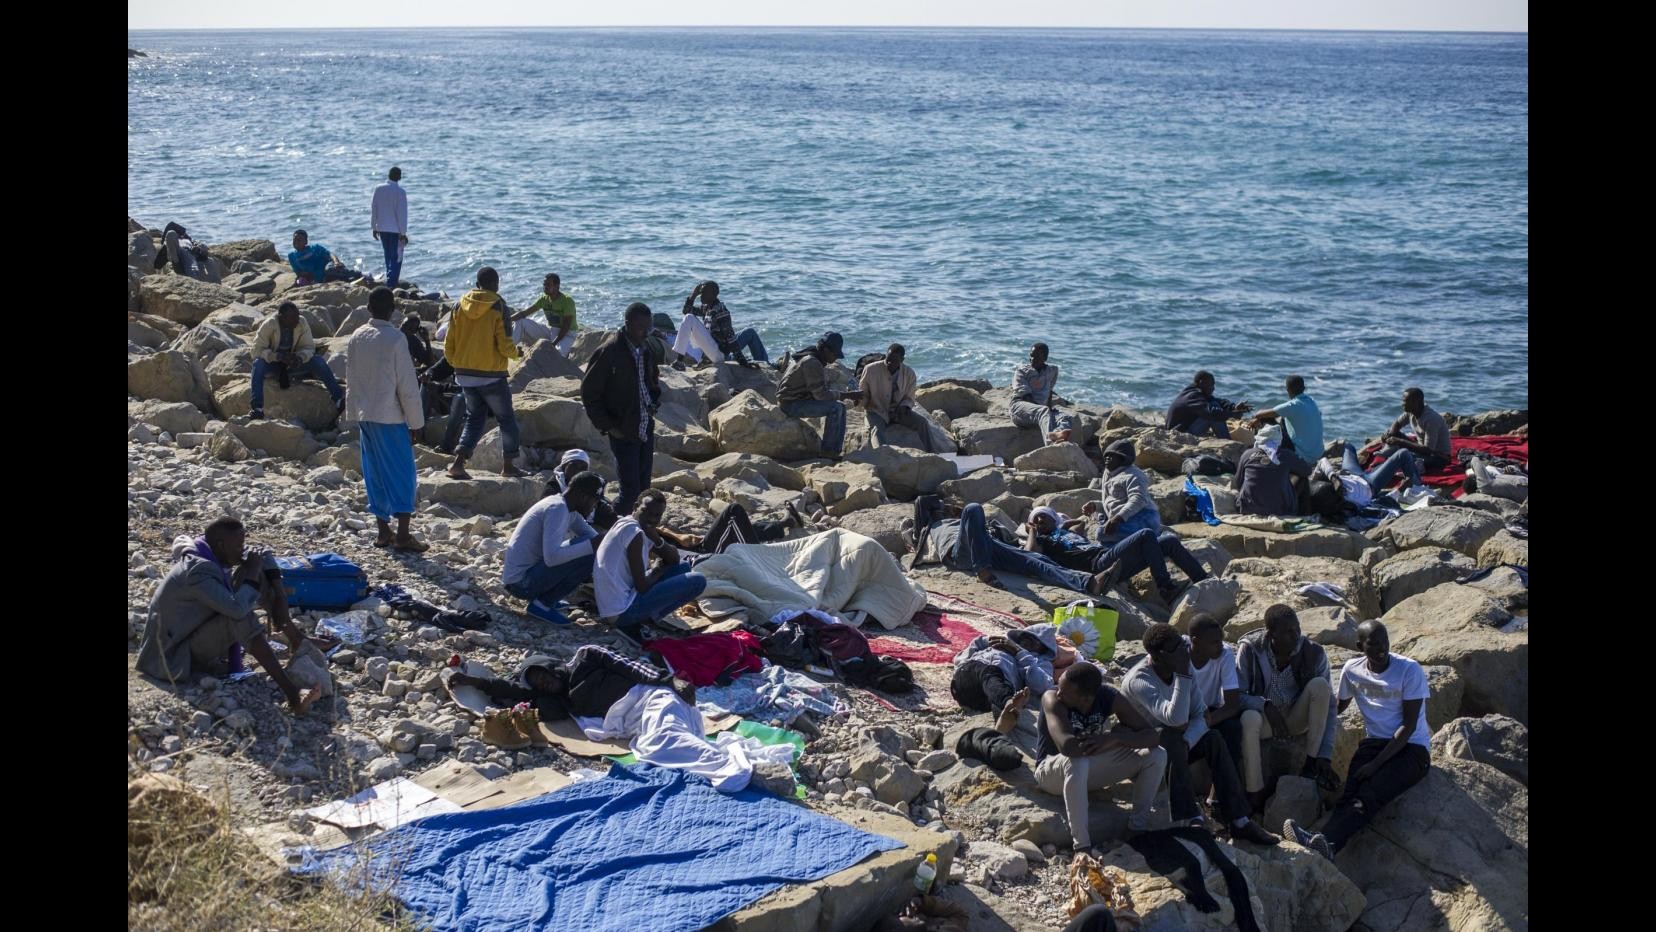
1126,507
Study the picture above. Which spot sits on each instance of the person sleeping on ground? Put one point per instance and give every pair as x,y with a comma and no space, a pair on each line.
1359,487
998,673
1482,477
732,526
960,539
1051,535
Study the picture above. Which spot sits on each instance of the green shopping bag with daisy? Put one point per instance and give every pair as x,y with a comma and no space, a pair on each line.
1091,627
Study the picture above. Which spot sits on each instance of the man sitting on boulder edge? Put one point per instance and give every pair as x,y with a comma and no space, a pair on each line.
202,614
888,398
804,391
1126,507
629,593
1196,411
284,345
1033,401
1429,442
717,317
1286,691
1391,691
1075,753
964,543
1162,687
550,551
1213,667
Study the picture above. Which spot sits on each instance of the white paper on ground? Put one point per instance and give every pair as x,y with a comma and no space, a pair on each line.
966,464
386,805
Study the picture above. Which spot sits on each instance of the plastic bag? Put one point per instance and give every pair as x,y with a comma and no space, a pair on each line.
1091,882
1091,627
350,628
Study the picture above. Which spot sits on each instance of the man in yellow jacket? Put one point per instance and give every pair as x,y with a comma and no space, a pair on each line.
284,346
478,346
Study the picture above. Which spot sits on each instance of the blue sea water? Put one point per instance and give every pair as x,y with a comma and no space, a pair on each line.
1353,207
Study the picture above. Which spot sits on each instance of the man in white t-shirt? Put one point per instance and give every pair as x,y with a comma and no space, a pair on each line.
1213,667
1391,692
629,593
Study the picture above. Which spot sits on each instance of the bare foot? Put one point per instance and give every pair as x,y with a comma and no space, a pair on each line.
457,471
302,704
409,545
1104,580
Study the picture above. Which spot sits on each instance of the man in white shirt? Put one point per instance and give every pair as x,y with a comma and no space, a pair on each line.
629,593
1213,667
390,217
551,549
1391,692
383,398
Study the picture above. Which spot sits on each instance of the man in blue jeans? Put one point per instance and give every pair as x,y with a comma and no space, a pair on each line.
390,223
1125,557
1359,486
629,593
551,550
804,390
284,346
621,391
965,544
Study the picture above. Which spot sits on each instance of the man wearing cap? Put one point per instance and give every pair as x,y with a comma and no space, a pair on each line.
551,549
805,393
888,397
573,463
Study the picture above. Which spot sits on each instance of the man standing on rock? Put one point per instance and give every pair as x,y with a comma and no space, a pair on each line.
1076,752
1286,691
1391,691
1032,398
1196,411
478,345
390,219
804,391
386,406
1162,687
202,614
621,391
888,398
1126,507
284,345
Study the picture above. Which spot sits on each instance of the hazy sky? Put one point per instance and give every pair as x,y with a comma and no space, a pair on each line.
1490,15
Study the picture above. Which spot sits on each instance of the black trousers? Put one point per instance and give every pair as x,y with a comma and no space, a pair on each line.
1230,731
1362,799
733,526
1227,785
980,687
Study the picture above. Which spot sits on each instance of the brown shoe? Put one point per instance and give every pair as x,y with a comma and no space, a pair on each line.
528,724
500,729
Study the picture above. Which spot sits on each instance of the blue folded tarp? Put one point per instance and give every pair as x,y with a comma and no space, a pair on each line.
643,848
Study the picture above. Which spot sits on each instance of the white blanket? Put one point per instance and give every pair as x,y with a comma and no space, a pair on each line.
836,571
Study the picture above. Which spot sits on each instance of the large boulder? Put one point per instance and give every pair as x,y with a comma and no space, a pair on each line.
747,423
743,465
953,399
1488,423
679,434
204,341
994,435
141,252
756,495
1506,585
1247,542
1503,547
1068,503
1451,853
738,379
559,387
1461,626
230,365
846,487
226,447
1414,571
482,494
238,318
546,420
250,250
1503,508
184,299
906,473
1212,596
169,376
1330,626
541,361
1165,450
586,345
174,417
1266,582
980,486
284,439
1463,530
1007,807
1058,457
306,402
1500,742
893,781
891,525
153,332
680,389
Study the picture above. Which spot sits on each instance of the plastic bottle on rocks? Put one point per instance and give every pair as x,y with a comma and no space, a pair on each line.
925,874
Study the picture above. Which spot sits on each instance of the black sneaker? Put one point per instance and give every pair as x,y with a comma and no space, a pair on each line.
1250,831
1313,840
257,414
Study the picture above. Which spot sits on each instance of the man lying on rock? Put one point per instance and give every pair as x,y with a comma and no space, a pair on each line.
1059,539
998,673
202,614
964,543
550,552
733,526
1162,688
1125,507
611,696
1391,691
1078,750
1286,692
630,594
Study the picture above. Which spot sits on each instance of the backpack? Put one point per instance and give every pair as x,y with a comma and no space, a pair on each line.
1206,464
864,360
878,671
322,581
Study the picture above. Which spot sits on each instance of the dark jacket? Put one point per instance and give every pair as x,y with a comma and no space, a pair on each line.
1308,663
609,390
1262,486
593,680
1189,405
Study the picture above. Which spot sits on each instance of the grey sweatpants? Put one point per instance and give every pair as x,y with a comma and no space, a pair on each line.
1049,419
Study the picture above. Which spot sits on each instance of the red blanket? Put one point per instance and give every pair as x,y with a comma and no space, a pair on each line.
937,638
1452,475
703,658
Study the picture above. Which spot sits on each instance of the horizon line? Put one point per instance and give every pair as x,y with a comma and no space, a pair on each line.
1469,30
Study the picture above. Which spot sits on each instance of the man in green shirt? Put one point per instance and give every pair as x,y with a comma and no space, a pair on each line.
560,317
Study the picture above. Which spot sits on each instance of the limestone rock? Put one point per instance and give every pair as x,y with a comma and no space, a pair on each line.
141,252
1503,508
906,473
980,486
1461,627
1415,571
559,386
994,435
1212,596
747,423
1058,457
1503,547
1247,542
1505,586
678,434
1264,583
174,417
1295,798
183,299
250,250
977,795
746,465
586,345
1486,424
141,331
285,439
306,402
205,341
1496,740
954,400
541,361
482,494
891,525
560,422
227,447
894,782
1001,861
756,496
1460,529
1068,503
231,365
169,376
1165,450
1329,626
846,487
237,318
738,379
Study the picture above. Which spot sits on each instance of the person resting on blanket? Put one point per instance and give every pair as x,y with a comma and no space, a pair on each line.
964,543
998,673
1481,477
629,593
1070,549
612,696
732,526
1359,487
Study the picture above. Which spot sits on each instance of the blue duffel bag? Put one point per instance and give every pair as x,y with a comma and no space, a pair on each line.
322,581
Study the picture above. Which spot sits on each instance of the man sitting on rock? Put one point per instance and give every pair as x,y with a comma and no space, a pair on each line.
1046,534
557,308
572,464
611,696
1421,431
1162,687
1391,691
314,264
964,543
1077,752
1213,667
1264,480
284,346
1126,507
550,551
629,593
1299,416
202,614
888,398
1033,401
1196,411
1286,692
804,391
717,317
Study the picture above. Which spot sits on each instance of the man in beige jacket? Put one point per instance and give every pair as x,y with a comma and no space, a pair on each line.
888,398
284,346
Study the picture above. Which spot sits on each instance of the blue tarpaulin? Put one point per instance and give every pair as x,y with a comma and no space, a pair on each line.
642,848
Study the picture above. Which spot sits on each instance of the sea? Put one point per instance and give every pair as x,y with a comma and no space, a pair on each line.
1350,207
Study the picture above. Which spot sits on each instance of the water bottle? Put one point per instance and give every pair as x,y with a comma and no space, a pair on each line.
925,874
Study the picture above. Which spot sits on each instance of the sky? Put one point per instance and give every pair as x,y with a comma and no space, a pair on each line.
1422,15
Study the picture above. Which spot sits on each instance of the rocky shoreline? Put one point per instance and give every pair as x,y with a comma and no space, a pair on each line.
1450,854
